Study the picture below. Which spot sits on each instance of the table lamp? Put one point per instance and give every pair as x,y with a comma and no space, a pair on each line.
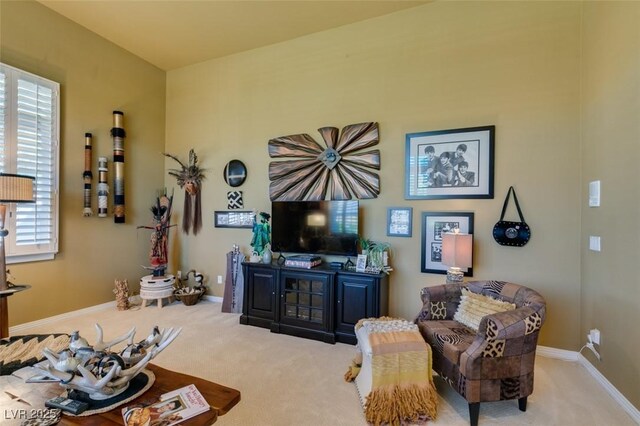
13,189
457,253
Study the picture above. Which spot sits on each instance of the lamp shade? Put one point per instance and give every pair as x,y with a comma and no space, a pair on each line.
457,250
16,188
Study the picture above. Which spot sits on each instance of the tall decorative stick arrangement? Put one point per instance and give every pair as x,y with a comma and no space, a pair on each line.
87,176
190,178
103,187
118,134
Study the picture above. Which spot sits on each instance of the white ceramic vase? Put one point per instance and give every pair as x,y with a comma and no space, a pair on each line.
266,256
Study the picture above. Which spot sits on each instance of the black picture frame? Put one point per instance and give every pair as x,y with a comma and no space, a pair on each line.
233,219
399,221
433,225
445,181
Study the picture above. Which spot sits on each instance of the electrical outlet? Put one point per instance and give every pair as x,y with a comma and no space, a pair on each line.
179,275
219,279
594,335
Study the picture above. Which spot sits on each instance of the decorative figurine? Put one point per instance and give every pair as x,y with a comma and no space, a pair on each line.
261,233
158,255
190,178
122,294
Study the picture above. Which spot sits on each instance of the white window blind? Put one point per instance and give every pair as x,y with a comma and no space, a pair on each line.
29,132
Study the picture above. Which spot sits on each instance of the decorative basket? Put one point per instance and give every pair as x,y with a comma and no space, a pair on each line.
189,298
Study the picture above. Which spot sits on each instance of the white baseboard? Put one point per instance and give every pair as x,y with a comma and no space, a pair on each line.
611,390
554,353
573,356
21,327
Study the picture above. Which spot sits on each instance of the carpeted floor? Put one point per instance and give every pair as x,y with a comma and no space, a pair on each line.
287,380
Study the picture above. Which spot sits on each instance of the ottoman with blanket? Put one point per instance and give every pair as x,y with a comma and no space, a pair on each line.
483,335
392,372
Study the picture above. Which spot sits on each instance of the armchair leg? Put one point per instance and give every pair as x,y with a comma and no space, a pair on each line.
474,413
522,404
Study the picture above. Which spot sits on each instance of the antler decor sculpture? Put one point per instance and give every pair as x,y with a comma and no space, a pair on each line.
99,371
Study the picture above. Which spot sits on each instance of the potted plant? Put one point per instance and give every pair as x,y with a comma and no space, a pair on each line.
375,252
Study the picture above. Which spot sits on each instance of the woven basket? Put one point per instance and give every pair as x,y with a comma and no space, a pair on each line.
189,299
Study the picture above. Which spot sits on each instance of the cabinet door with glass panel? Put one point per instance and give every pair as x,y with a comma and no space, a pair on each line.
305,299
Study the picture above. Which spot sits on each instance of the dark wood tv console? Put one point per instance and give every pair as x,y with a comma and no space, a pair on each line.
318,303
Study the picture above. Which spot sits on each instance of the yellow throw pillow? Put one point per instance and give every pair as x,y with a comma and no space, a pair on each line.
473,307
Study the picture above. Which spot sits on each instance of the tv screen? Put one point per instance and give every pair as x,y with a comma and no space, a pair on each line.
319,227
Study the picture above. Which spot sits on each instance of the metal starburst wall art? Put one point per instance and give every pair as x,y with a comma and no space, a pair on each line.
342,168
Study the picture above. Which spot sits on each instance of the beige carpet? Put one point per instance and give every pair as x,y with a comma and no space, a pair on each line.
286,380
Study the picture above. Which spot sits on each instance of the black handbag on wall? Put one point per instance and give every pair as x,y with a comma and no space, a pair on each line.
507,233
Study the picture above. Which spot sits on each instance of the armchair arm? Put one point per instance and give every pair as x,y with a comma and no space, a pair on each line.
439,302
503,335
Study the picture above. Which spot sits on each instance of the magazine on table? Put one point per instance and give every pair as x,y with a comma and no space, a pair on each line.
172,408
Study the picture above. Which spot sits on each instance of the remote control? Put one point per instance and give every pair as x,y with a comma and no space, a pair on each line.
66,404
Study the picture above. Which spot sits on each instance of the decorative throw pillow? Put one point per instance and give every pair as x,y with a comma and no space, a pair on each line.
473,307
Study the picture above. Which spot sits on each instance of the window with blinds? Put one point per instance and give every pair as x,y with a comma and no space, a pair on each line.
29,133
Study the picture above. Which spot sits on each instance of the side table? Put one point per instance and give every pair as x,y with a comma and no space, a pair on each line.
156,288
4,307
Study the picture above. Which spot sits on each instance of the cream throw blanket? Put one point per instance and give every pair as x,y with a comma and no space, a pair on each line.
402,389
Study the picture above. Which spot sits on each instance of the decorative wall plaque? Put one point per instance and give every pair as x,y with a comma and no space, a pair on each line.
234,199
235,173
341,168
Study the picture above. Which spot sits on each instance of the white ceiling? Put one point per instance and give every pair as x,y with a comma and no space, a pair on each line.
175,33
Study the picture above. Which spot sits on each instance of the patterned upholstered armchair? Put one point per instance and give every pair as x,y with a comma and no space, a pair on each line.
494,363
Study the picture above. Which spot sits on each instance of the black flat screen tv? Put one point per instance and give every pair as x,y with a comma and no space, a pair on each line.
317,227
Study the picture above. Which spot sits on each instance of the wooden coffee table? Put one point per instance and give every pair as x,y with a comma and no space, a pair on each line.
221,399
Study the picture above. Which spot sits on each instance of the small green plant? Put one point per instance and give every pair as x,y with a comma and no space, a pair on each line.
375,251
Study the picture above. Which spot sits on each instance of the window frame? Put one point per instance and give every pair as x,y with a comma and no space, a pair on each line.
35,252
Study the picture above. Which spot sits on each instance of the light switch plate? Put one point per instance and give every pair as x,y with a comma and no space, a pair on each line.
594,243
594,193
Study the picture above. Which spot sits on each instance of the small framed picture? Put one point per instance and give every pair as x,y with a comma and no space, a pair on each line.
399,221
233,219
434,226
361,263
455,163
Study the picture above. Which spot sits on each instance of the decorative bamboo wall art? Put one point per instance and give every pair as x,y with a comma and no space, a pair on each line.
118,134
103,187
87,176
340,168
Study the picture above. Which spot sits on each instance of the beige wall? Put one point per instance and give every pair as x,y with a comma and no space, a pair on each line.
96,77
518,66
439,66
611,154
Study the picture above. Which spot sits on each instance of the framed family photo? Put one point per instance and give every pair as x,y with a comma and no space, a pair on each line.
454,163
233,219
434,225
399,221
